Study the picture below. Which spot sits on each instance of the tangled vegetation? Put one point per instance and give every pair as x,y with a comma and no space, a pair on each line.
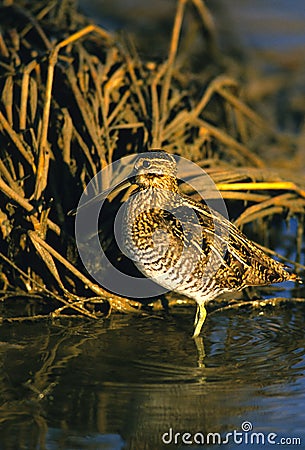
73,99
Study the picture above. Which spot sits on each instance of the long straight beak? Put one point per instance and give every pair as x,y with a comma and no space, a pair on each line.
118,188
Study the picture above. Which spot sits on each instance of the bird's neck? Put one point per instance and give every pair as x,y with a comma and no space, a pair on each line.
159,197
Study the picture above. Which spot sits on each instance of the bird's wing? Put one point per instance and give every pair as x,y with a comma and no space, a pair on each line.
218,232
228,242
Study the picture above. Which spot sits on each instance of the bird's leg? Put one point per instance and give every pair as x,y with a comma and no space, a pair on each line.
199,319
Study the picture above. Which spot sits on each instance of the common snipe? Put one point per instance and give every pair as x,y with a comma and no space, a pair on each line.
185,246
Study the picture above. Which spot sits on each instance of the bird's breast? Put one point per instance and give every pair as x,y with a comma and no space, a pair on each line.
162,242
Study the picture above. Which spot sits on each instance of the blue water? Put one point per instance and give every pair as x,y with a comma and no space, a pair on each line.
268,24
126,381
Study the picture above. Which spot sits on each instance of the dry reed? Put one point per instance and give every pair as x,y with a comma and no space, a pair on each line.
75,98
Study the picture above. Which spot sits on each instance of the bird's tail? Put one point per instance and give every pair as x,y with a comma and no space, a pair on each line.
295,277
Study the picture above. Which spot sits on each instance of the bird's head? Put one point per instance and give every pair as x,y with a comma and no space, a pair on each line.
156,169
153,170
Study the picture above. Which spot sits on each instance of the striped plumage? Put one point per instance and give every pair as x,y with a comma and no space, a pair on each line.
185,246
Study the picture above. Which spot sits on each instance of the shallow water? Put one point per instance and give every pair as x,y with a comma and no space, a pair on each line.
124,382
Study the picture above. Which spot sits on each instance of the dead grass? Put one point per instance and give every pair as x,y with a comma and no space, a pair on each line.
75,98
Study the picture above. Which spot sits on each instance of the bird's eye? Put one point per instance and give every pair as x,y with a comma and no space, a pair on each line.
146,164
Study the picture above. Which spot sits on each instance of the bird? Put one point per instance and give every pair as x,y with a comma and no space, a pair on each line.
183,244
